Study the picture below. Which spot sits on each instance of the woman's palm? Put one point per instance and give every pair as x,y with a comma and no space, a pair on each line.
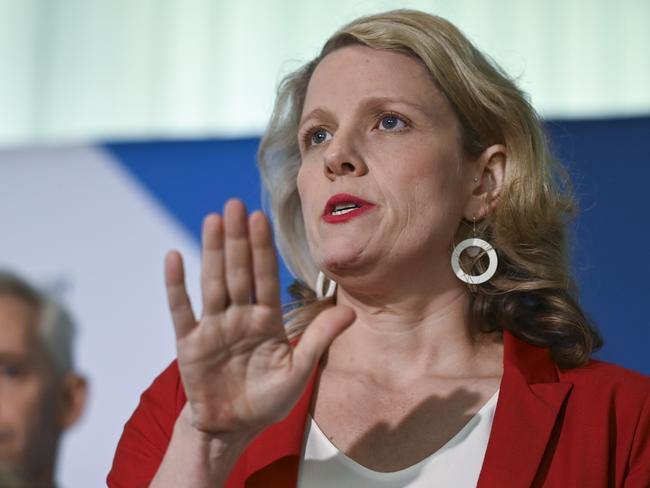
238,368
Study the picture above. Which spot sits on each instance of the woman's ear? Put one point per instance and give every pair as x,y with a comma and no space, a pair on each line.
487,179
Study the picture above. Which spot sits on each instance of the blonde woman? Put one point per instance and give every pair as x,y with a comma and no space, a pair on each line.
408,360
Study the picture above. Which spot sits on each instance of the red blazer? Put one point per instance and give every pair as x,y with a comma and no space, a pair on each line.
587,427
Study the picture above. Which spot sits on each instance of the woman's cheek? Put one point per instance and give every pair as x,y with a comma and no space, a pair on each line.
310,221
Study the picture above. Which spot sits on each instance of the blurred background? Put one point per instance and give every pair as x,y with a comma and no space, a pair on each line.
123,122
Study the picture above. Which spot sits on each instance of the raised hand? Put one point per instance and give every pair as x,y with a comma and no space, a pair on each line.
239,371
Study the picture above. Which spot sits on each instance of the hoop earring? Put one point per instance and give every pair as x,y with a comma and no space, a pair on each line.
331,288
474,242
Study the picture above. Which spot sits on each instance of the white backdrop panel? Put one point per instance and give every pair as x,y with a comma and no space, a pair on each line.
73,216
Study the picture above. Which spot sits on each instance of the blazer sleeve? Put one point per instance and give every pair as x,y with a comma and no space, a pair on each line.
148,432
639,472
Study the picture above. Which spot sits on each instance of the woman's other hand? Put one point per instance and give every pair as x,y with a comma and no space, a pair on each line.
239,371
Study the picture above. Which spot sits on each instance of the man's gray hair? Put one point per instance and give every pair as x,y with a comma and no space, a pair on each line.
55,326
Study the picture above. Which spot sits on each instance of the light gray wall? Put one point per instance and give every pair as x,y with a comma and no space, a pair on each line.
78,70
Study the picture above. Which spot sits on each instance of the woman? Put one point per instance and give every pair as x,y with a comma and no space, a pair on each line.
383,156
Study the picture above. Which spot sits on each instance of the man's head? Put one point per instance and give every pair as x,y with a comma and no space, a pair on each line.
40,394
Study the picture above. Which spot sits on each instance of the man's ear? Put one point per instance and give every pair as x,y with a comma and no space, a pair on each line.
488,177
73,394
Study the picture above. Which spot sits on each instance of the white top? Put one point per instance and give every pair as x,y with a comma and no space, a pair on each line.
458,463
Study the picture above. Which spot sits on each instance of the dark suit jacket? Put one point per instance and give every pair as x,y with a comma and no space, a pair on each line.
587,427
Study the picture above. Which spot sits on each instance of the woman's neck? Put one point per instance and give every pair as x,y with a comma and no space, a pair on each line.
401,338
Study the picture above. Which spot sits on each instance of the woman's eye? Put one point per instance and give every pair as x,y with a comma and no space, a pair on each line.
319,136
391,122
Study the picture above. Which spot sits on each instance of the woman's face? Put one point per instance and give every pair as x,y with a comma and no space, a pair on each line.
382,180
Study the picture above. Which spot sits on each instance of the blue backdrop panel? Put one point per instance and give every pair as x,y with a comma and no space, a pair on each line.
610,164
194,178
609,161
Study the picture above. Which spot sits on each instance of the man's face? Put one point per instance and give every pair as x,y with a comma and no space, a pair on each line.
30,419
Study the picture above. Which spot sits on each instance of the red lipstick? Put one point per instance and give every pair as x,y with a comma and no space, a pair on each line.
343,207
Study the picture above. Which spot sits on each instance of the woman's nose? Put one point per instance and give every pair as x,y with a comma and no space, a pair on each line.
341,159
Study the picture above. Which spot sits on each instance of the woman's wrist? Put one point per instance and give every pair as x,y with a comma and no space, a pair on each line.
223,444
197,459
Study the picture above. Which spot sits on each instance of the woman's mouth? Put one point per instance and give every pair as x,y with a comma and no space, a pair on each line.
343,207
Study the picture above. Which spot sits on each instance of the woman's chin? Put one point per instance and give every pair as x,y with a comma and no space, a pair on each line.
343,261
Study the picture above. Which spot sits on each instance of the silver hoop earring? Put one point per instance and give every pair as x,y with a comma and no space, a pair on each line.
474,279
474,243
331,288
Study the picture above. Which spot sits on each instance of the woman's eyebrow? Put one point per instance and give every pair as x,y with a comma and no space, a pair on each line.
317,113
377,101
368,102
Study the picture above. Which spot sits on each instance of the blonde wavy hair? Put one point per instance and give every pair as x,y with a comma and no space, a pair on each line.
532,294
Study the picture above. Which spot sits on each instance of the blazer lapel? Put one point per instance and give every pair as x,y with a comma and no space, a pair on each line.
530,399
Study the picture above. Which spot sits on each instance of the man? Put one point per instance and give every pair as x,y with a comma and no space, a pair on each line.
40,394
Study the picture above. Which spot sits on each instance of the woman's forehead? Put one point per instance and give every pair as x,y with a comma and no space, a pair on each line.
356,72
